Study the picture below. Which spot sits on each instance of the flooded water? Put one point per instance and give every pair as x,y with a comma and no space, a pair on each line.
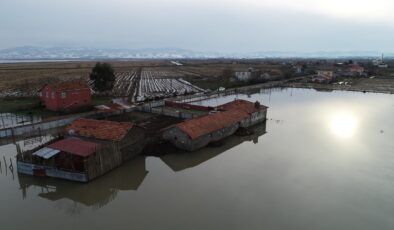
324,160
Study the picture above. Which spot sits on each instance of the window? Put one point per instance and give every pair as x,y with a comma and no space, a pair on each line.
53,95
46,94
63,94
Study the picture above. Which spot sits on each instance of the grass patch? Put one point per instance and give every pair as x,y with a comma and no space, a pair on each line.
101,100
16,104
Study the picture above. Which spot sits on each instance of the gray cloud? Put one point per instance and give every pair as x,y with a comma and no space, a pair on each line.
206,26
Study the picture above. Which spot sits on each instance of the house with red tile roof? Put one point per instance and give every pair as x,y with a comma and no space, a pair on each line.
66,95
196,133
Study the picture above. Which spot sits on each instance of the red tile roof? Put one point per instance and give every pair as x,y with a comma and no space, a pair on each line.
100,129
70,85
242,105
201,126
76,146
233,113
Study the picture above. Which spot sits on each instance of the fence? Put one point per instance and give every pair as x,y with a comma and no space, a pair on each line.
8,120
35,128
188,106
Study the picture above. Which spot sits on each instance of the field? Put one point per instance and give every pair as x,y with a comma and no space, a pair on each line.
162,83
25,79
141,80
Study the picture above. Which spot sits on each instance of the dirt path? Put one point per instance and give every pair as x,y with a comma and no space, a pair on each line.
134,88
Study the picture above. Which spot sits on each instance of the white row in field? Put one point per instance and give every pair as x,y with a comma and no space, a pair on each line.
154,84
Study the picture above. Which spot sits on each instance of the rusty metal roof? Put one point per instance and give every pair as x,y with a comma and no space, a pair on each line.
76,146
243,105
201,126
99,129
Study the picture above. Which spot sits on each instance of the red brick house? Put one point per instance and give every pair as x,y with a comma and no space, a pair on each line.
65,96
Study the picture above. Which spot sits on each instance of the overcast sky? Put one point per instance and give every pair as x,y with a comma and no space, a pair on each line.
203,25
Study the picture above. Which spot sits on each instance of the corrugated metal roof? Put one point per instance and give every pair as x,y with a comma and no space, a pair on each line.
100,129
76,146
46,152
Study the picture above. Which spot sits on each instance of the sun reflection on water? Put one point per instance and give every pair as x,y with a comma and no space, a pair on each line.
344,125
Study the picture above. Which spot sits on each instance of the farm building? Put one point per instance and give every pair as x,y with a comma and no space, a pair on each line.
179,162
324,76
248,75
198,132
64,96
354,70
325,73
90,149
129,138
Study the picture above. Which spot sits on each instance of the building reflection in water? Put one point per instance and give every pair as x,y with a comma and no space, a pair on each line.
95,194
129,176
182,161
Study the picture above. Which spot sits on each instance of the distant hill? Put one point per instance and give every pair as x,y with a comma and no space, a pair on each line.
33,53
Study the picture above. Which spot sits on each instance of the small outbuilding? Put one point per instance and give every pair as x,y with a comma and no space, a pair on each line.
66,96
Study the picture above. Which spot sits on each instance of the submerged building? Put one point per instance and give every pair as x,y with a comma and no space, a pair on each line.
89,149
196,133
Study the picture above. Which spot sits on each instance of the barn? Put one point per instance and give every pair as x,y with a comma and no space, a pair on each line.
196,133
65,96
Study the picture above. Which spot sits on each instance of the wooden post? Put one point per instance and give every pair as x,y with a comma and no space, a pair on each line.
13,136
11,167
5,164
2,121
18,149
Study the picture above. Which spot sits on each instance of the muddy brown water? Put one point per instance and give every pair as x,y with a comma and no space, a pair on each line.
324,160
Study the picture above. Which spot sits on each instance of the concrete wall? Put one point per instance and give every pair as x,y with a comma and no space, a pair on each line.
29,168
170,113
187,106
254,119
181,140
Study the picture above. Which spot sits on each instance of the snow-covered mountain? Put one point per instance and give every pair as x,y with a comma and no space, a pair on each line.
62,53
